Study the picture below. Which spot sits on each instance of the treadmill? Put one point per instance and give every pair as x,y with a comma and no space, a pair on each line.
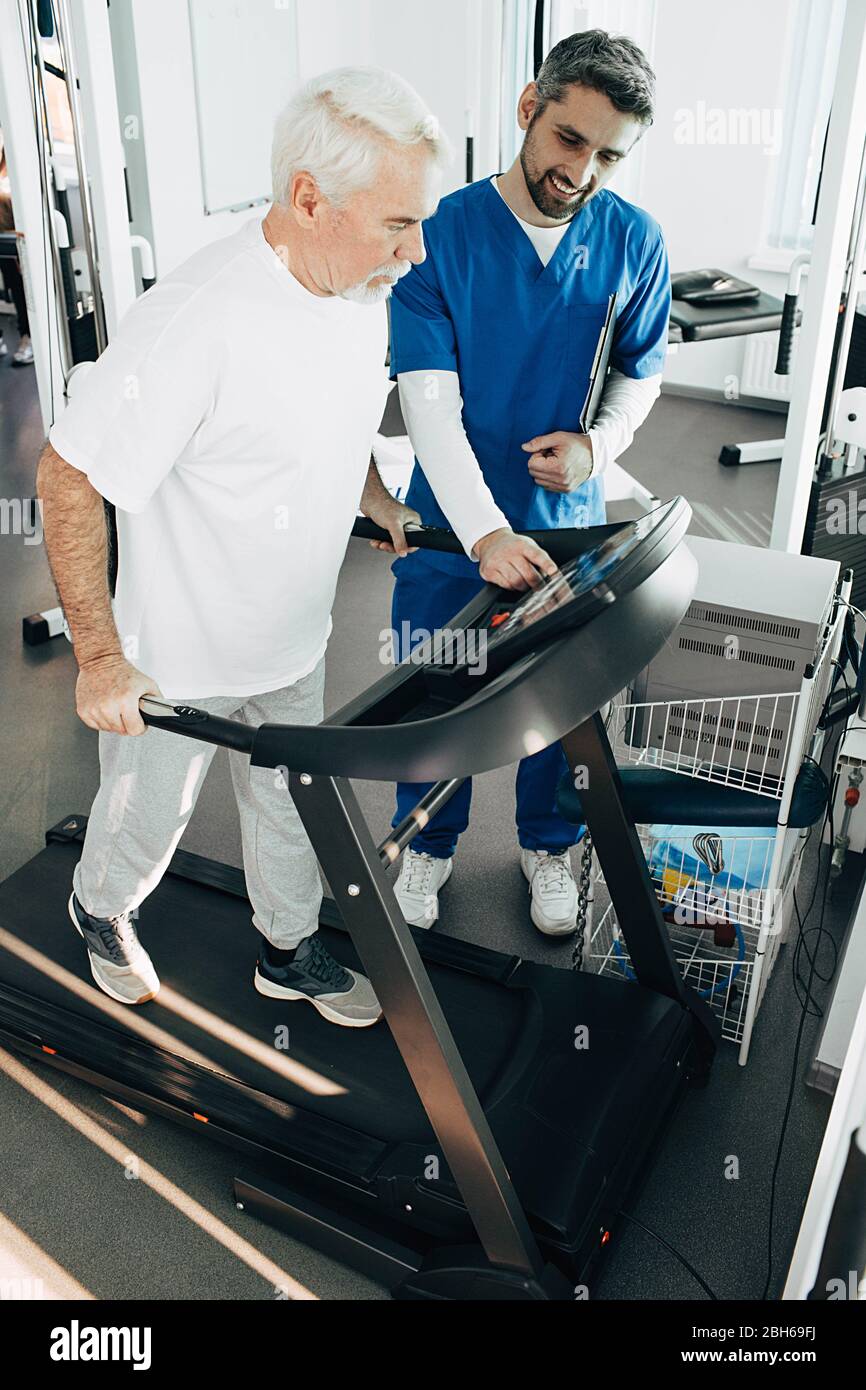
479,1141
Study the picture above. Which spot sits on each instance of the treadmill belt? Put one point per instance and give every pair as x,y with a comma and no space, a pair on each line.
204,946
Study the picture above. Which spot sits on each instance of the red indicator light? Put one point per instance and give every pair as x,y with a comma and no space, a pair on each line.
605,1237
52,1051
203,1118
499,618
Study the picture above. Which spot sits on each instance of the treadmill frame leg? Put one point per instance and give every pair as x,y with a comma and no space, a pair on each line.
628,880
349,857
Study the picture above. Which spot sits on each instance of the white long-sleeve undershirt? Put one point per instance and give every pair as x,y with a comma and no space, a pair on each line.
625,403
433,413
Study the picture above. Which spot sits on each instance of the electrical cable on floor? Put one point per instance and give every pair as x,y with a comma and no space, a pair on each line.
672,1249
802,989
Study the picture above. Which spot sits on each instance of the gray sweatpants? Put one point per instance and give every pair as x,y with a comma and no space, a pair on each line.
148,790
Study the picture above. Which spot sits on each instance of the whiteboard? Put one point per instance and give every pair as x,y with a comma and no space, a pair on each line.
245,65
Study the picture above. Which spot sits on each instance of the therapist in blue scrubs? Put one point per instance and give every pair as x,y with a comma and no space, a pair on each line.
492,342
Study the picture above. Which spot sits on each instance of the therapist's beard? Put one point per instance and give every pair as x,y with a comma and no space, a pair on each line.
536,183
365,293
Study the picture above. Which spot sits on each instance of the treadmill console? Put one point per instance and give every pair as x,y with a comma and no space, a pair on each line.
518,623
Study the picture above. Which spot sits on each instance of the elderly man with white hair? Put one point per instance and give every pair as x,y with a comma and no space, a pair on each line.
236,476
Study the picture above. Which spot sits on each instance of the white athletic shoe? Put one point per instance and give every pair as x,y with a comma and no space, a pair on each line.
553,890
417,888
118,962
23,355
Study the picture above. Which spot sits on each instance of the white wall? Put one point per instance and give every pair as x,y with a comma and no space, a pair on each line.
710,199
168,178
155,80
448,51
334,34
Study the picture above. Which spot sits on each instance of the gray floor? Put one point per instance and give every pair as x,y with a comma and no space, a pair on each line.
71,1214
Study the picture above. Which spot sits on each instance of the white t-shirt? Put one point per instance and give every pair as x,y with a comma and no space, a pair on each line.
230,421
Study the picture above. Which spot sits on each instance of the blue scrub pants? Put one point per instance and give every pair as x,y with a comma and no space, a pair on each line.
427,598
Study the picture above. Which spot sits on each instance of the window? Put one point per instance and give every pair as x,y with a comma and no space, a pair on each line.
813,55
518,45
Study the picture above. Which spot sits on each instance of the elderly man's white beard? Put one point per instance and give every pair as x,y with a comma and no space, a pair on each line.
365,293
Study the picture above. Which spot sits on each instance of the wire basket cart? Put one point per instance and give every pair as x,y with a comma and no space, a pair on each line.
727,892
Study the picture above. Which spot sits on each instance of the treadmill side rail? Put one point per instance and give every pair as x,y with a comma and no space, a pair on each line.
445,1273
335,1234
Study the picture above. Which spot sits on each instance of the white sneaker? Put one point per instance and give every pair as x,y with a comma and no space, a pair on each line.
3,348
23,355
118,962
417,888
553,890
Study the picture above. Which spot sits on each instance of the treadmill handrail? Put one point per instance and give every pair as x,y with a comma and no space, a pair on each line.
562,543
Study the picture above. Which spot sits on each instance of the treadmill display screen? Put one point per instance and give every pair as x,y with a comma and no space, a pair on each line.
517,624
578,590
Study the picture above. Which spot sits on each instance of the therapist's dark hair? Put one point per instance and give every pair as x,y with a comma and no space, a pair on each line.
608,63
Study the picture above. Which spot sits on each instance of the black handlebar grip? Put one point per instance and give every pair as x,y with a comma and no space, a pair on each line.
561,544
196,723
786,336
427,537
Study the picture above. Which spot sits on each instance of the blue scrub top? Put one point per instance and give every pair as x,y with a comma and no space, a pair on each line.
522,337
